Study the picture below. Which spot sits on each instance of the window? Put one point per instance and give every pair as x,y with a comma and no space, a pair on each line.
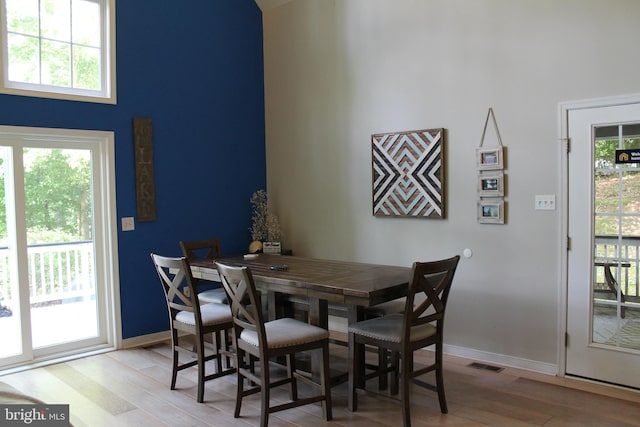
59,49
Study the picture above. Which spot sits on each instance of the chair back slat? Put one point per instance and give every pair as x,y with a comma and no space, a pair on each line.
175,276
244,299
201,249
431,280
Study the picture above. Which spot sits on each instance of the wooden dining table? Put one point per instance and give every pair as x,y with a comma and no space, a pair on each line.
354,284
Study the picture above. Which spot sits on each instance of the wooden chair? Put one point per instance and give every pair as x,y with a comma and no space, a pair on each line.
298,307
257,340
205,249
420,325
189,319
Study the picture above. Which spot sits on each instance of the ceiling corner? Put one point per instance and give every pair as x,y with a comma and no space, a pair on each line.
270,4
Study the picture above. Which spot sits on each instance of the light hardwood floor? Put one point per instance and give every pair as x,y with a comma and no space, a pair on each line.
131,388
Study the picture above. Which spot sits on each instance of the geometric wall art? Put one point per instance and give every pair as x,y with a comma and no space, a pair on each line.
408,173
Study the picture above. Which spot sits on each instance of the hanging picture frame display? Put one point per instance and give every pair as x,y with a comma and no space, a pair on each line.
491,177
491,211
491,184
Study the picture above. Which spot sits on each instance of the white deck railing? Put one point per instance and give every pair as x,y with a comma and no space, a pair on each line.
624,250
57,272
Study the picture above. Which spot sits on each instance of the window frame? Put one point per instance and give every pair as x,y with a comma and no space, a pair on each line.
108,69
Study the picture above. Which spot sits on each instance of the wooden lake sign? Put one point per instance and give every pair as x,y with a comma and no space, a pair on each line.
145,188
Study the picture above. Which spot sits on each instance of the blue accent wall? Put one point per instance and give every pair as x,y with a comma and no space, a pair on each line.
195,68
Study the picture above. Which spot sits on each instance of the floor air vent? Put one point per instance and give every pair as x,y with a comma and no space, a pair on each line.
486,367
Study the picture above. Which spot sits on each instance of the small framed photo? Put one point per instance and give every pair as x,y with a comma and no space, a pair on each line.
273,248
490,158
491,184
491,211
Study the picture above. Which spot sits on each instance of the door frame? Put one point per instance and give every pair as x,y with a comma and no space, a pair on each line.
106,232
563,131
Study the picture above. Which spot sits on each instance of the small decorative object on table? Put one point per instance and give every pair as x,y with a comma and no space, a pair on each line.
271,248
255,247
265,230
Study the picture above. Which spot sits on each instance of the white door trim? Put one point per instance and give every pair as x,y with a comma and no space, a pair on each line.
563,137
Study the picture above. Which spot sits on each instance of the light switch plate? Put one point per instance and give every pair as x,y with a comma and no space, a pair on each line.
128,224
545,202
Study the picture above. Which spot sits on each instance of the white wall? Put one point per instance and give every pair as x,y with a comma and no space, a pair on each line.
337,71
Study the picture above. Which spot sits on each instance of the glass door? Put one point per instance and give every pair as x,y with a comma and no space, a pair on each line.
616,207
60,247
54,247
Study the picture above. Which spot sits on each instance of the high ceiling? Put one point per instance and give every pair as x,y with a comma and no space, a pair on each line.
270,4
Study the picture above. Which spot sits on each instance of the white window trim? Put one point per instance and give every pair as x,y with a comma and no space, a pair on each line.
109,79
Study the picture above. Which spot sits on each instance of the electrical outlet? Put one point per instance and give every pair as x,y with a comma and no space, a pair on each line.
128,224
545,202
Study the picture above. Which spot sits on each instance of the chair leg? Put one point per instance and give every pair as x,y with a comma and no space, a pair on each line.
264,392
395,364
252,368
325,382
382,368
240,364
405,364
227,347
354,373
218,342
440,379
174,373
291,368
201,367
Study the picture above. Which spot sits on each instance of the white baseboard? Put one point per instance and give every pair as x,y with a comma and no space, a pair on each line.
501,359
146,340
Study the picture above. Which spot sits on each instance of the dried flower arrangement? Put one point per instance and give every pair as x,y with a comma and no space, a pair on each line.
266,226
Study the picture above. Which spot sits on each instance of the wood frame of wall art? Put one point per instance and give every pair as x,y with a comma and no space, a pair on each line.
491,184
491,211
490,158
408,173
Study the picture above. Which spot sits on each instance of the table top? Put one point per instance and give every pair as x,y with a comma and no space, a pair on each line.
336,281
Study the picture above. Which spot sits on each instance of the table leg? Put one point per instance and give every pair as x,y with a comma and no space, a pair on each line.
318,316
277,306
271,305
